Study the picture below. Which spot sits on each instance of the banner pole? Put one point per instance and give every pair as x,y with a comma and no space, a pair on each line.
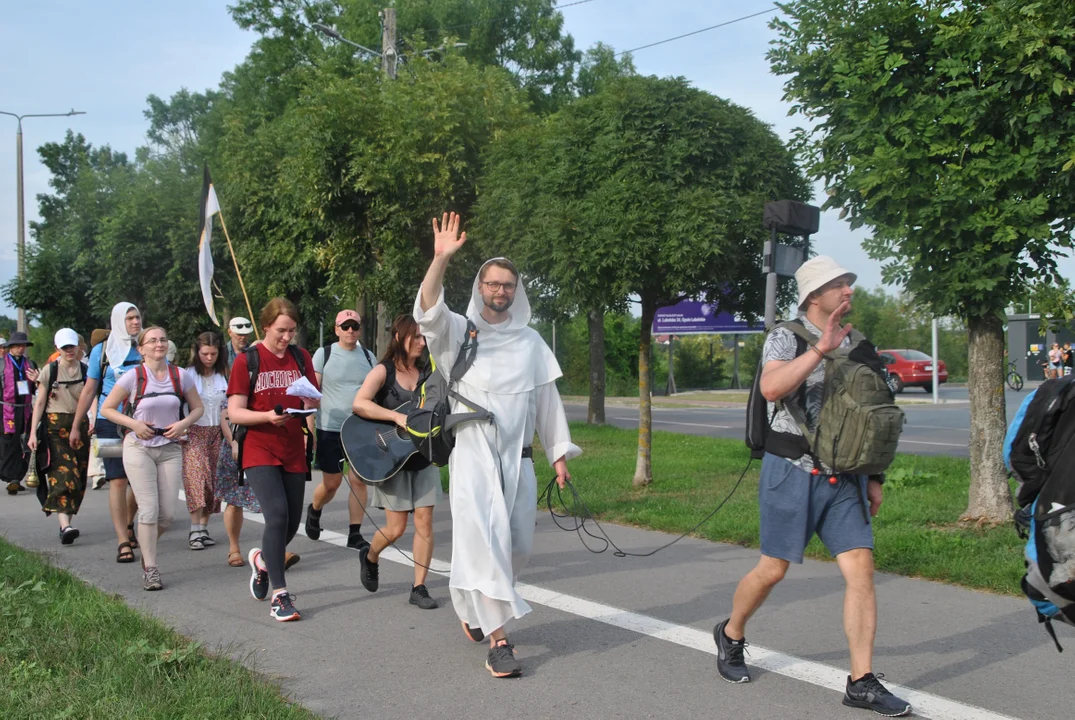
253,320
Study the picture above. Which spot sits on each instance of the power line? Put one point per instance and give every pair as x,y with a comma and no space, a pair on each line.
695,32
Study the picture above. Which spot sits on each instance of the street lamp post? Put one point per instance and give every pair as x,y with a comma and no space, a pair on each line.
21,210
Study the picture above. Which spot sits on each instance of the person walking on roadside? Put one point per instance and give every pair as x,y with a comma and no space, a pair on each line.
208,371
239,331
18,378
151,451
340,368
493,490
1067,358
274,460
1055,361
237,495
63,475
416,488
797,499
109,361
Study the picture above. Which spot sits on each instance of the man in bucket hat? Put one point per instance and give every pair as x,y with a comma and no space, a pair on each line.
797,499
18,375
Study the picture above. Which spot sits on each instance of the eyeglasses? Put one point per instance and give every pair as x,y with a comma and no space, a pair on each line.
350,325
242,326
155,341
496,286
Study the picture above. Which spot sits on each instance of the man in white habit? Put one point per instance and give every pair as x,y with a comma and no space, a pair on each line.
493,489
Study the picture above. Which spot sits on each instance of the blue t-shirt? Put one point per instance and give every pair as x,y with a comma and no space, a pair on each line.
134,359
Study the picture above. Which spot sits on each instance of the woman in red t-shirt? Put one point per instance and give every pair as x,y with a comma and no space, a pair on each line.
274,452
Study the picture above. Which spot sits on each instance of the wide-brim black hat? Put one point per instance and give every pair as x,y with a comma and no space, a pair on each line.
18,338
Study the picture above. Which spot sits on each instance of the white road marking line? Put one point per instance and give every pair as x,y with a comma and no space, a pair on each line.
672,422
925,704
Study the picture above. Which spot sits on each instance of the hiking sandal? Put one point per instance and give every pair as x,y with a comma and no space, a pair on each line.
195,539
131,537
235,559
124,553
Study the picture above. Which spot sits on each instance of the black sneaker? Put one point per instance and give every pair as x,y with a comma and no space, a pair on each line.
368,572
283,608
259,576
869,694
68,535
313,523
355,541
501,661
474,634
420,597
730,663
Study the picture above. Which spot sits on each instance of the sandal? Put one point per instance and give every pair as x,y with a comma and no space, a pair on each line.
131,537
124,553
196,540
235,559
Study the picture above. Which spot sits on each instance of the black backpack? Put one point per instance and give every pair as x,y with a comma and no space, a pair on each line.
431,423
1043,462
760,437
253,364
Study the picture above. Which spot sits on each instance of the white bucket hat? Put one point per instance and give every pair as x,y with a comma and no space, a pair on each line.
817,272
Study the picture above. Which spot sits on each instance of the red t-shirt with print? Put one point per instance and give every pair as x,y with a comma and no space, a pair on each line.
267,444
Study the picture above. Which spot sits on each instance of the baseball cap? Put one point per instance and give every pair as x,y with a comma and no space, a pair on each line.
65,337
241,325
344,315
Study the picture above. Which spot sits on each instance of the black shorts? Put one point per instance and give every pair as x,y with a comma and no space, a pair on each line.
330,457
113,466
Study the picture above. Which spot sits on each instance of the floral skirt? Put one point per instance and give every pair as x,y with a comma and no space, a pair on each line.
200,457
227,483
66,471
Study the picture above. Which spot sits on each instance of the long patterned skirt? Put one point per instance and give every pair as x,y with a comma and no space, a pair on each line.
227,483
66,472
200,456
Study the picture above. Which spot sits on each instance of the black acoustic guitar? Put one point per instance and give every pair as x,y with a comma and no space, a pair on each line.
378,450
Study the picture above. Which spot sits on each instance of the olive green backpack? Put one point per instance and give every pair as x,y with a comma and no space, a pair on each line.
859,426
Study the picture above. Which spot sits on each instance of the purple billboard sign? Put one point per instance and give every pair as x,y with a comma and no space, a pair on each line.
691,317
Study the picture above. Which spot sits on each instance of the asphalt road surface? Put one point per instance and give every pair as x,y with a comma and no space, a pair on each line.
942,429
608,637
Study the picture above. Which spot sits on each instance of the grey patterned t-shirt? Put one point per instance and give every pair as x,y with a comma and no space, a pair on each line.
781,345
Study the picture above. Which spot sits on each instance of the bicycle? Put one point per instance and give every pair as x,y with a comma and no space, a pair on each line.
1013,378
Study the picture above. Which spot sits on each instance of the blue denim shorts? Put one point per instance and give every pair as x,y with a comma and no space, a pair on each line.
113,466
795,505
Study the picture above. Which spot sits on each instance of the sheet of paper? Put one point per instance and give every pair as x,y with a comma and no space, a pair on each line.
297,411
303,388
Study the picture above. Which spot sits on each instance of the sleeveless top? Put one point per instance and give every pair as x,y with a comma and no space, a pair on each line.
391,396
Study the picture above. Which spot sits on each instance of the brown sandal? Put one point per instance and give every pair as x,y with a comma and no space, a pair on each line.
131,537
124,553
235,559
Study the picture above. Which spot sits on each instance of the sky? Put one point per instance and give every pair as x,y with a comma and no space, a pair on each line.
106,57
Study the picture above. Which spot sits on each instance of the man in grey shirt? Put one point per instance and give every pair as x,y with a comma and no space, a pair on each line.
340,376
798,498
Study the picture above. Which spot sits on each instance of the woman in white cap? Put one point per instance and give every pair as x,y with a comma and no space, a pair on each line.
63,468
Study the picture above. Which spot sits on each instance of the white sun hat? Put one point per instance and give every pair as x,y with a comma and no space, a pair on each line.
817,272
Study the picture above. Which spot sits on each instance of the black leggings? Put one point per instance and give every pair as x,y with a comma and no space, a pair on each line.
280,495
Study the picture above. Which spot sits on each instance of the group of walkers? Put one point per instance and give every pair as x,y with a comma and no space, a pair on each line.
236,426
1061,361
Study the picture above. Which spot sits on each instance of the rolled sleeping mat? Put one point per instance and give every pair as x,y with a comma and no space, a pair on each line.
109,447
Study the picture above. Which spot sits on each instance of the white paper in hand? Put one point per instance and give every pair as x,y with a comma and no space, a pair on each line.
303,388
300,411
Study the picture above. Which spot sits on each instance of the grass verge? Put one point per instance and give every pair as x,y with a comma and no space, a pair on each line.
915,532
68,650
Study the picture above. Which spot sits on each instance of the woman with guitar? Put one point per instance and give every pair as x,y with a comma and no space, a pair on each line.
388,388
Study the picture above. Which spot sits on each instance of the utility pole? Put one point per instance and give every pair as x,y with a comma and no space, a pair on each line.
20,203
388,42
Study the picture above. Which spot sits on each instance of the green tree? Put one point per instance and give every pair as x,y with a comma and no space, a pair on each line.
945,127
647,187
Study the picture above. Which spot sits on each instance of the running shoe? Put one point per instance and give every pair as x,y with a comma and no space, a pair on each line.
259,576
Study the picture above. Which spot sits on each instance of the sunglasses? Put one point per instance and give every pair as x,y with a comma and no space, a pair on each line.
242,326
350,325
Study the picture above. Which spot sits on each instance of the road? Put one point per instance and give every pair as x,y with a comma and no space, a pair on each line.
942,429
608,637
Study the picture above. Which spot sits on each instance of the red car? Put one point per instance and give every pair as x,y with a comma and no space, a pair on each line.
912,368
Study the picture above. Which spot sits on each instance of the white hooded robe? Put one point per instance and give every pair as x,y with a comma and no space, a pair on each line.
514,377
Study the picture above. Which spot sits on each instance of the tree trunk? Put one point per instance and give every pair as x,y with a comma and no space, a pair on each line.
644,466
990,497
596,413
